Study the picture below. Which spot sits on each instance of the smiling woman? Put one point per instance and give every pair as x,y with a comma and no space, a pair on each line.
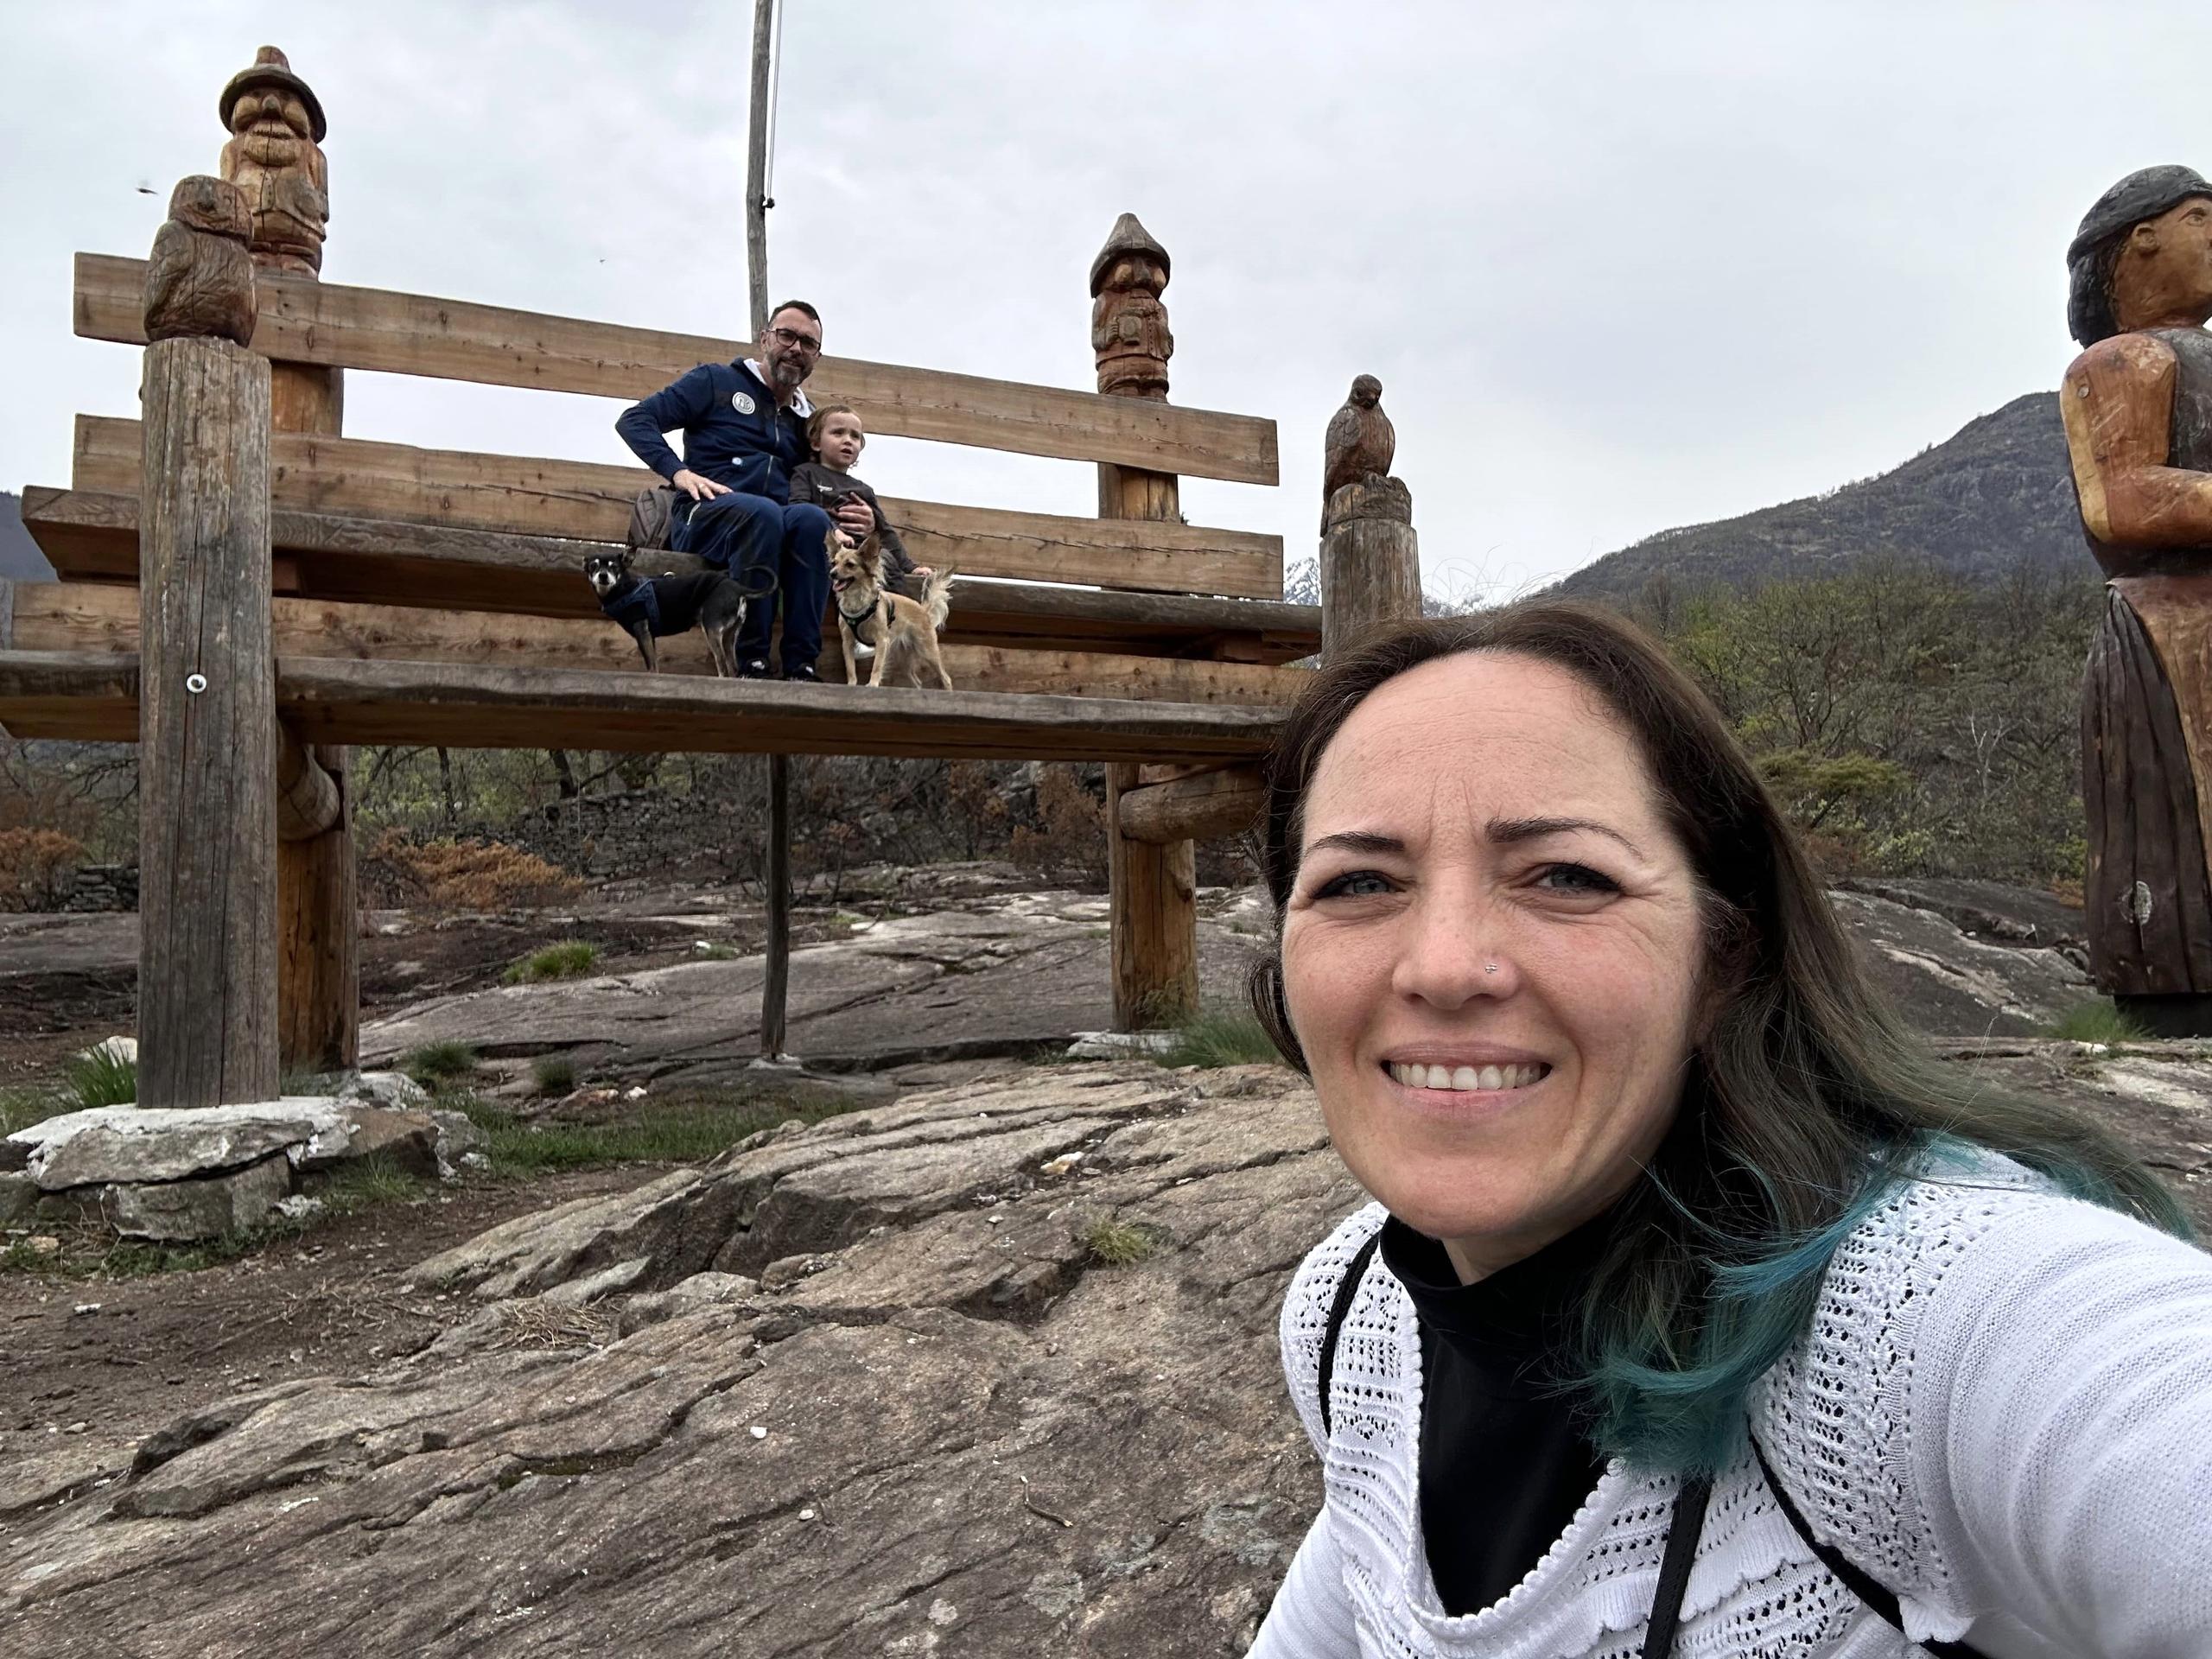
1673,1212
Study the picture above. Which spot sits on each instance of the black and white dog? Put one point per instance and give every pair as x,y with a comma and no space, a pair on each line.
653,607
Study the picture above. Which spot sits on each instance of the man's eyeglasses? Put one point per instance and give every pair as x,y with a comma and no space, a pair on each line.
787,339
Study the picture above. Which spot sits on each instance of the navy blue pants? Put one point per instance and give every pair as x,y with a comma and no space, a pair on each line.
747,535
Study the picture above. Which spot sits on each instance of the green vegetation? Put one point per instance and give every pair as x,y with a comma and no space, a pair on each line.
102,1078
714,950
2097,1022
1220,1037
1121,1243
554,1074
439,1066
676,1130
566,959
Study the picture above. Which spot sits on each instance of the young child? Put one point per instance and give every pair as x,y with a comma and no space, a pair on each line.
835,435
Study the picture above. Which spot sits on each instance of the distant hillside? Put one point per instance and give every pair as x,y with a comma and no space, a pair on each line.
1996,496
19,555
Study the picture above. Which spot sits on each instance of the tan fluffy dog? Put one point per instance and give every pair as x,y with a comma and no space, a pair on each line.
895,626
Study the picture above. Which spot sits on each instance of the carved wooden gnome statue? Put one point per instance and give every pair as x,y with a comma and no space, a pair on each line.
275,155
199,279
1129,324
2137,411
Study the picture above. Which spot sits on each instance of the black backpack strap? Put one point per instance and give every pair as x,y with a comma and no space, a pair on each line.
1683,1527
1347,1288
1866,1589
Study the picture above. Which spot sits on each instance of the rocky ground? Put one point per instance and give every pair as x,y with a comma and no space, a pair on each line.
986,1368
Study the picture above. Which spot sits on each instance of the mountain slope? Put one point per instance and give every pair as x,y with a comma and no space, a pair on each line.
1994,497
19,555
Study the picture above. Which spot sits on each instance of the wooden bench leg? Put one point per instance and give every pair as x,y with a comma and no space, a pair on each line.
1152,920
318,931
208,733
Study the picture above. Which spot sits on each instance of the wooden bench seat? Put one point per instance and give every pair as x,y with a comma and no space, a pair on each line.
81,616
94,697
92,535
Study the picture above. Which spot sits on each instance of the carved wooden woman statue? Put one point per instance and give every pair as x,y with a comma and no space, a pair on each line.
2137,409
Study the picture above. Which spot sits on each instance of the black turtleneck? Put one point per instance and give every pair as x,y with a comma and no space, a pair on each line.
1504,1462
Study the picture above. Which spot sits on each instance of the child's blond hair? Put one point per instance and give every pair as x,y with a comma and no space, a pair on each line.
820,418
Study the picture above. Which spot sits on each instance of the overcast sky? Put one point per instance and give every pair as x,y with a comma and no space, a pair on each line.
1619,267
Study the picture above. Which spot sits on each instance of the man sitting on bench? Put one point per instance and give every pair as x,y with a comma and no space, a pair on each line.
744,427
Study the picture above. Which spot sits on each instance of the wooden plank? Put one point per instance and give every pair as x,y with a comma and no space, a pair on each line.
588,500
465,706
303,320
207,738
74,617
89,535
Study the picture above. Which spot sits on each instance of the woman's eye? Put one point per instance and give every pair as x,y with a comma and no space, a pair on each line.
1576,879
1353,884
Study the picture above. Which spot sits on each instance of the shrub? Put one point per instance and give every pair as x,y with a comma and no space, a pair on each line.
37,867
440,1066
554,1074
461,875
1070,837
566,959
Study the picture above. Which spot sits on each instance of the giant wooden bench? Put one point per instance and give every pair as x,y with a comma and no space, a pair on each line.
405,595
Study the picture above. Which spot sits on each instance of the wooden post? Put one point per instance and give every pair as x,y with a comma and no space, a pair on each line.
776,969
1153,917
1371,558
207,695
274,157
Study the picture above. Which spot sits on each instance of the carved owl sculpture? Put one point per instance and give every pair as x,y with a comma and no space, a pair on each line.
1360,440
199,280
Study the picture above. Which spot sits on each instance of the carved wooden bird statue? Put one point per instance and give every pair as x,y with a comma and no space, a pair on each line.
199,280
1360,440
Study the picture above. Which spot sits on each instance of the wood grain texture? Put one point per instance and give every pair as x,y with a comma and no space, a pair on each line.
94,695
93,616
587,500
93,536
308,801
207,1027
302,320
1203,806
1151,928
2146,896
318,902
1371,578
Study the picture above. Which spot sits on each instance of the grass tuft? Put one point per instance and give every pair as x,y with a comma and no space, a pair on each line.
102,1078
1220,1037
554,1074
714,950
2097,1022
1120,1243
441,1065
566,959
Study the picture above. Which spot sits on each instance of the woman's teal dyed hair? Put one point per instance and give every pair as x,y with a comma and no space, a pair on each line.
1806,1099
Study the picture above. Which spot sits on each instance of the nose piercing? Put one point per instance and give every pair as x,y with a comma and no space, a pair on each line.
1490,966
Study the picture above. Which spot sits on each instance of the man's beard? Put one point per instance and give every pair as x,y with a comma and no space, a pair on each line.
785,373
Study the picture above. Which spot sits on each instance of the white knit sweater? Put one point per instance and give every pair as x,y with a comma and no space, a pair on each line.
2002,1411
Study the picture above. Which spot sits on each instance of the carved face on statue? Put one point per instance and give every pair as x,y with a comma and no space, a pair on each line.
2161,274
275,156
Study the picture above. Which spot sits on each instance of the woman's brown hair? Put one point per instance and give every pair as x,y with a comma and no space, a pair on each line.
1806,1099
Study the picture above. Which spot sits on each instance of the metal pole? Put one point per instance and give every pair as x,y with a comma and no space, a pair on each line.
775,979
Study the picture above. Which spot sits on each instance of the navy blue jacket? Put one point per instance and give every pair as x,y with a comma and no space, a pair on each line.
733,431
